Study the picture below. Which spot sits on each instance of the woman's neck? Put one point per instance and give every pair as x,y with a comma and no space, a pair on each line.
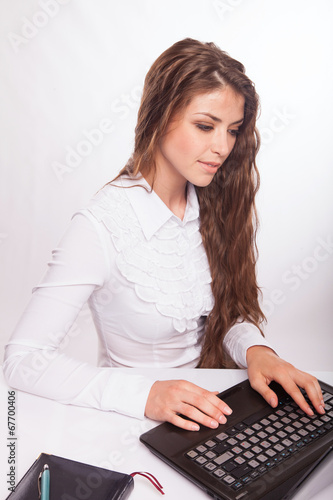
173,194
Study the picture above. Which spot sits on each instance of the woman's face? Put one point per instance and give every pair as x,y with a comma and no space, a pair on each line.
200,139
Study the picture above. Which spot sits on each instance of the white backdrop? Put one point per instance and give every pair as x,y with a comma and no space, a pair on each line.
71,77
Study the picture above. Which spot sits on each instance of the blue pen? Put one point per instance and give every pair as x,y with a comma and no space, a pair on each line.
44,483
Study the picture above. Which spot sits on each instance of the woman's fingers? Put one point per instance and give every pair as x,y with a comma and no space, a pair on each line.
264,366
310,384
169,400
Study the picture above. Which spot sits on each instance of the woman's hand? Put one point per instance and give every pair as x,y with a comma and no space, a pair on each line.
264,366
169,398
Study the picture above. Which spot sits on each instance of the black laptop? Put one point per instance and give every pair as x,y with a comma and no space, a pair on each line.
261,453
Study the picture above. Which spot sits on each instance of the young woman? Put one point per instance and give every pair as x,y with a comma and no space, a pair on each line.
165,254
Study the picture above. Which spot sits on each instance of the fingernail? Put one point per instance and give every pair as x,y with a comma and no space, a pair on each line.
227,410
222,419
321,409
309,411
214,424
195,427
272,402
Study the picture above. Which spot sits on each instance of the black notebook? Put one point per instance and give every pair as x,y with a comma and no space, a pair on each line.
261,453
71,480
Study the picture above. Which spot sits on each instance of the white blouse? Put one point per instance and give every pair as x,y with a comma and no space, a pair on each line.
145,275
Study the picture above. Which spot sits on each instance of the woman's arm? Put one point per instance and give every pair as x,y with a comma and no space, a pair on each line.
35,360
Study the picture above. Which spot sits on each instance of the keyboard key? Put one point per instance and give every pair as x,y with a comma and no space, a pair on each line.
271,453
249,431
232,441
262,458
254,464
245,445
219,473
210,466
239,460
280,413
229,479
278,447
289,429
256,449
270,429
326,396
297,425
210,455
264,422
237,486
248,455
236,450
246,479
302,432
192,454
232,431
254,474
262,435
222,436
262,469
254,440
241,471
286,420
210,443
240,436
201,460
287,443
281,434
230,466
310,428
223,458
257,427
273,439
201,449
273,417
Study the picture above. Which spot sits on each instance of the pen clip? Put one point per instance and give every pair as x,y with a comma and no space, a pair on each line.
39,481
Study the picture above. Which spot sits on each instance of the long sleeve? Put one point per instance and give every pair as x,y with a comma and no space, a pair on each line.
240,338
34,357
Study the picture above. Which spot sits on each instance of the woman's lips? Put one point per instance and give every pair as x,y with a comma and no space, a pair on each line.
209,167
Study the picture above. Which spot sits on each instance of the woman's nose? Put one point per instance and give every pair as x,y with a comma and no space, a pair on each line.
221,144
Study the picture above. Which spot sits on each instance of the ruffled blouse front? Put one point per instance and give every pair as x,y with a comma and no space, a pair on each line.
161,277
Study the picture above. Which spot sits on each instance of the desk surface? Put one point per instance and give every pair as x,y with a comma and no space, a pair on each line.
110,440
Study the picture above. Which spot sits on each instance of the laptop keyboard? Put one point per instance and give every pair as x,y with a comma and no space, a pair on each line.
248,450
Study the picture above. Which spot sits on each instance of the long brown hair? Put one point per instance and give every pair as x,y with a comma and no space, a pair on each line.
228,220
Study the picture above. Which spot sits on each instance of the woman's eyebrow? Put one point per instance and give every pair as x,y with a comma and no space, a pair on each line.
216,119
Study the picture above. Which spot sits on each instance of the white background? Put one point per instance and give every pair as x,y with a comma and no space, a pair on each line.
69,67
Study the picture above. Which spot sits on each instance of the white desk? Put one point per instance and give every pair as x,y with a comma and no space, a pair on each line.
110,440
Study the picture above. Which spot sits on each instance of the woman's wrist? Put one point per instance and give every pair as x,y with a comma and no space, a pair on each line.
258,350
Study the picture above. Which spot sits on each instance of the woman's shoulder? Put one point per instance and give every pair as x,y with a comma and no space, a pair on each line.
111,206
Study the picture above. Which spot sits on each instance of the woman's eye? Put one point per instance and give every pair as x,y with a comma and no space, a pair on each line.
234,132
205,128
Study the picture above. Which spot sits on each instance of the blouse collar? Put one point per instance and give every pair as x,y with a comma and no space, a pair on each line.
151,211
